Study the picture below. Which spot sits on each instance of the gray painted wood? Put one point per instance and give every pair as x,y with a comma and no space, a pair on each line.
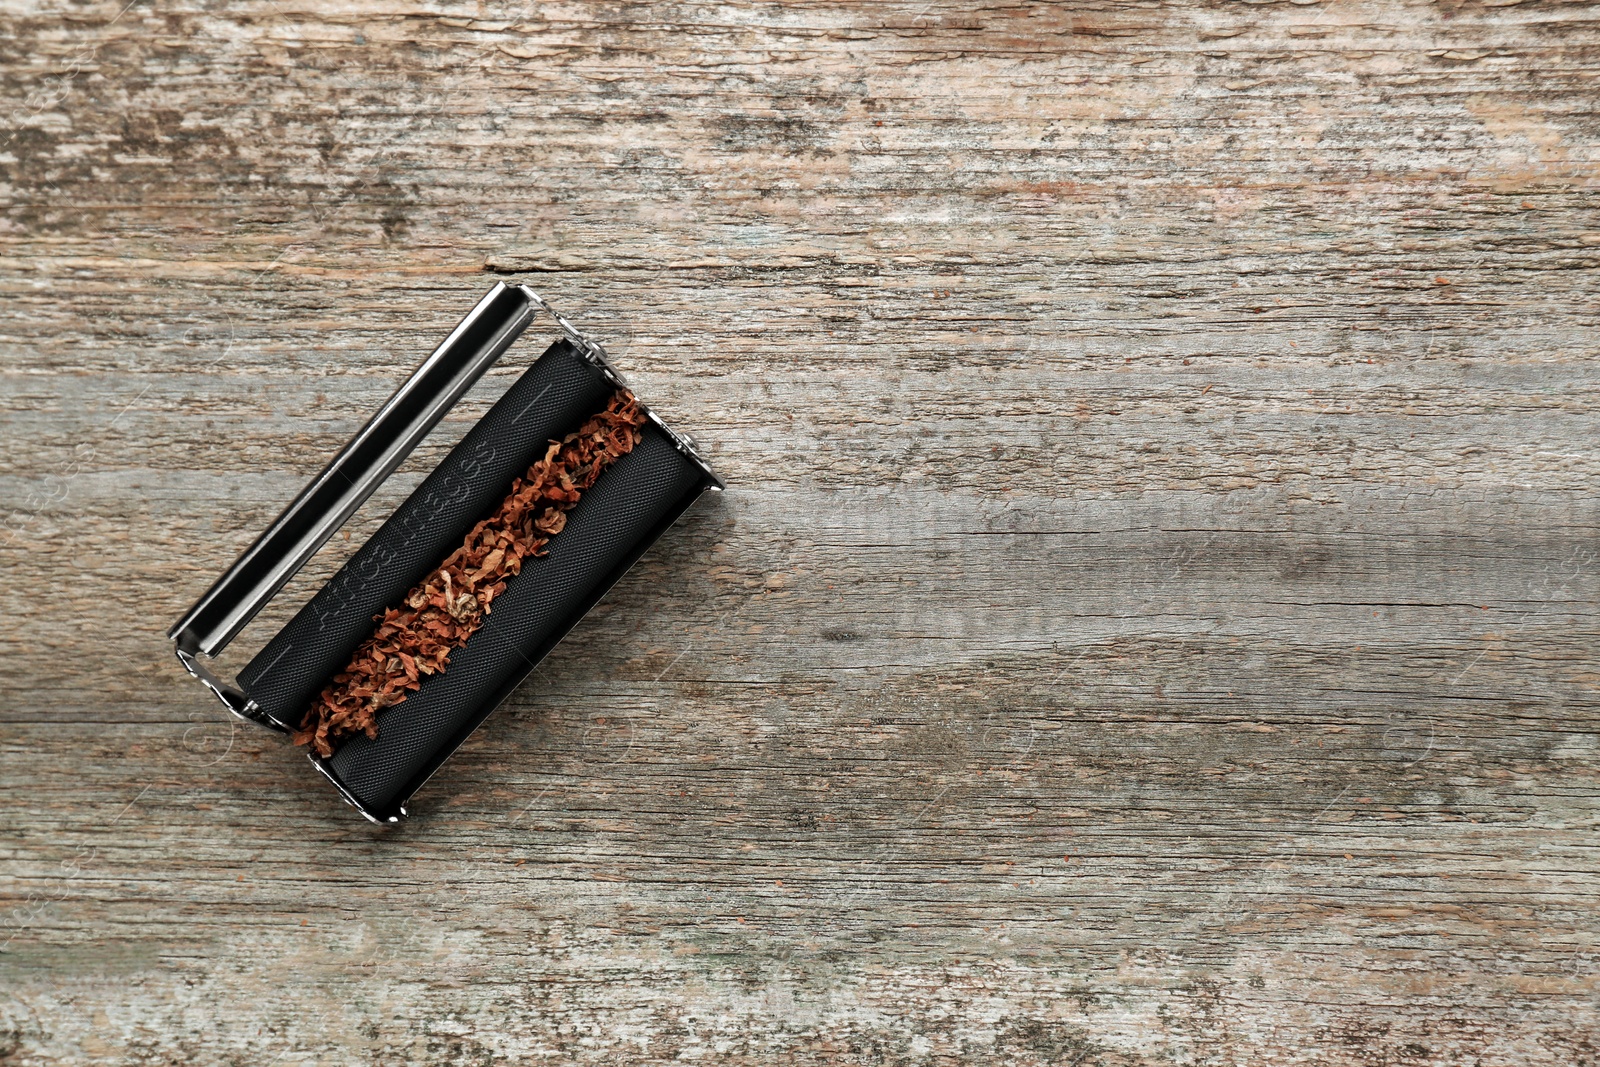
1153,617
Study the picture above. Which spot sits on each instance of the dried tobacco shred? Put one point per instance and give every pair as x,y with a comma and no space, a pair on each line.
415,640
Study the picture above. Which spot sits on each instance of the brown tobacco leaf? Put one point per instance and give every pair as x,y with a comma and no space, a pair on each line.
415,640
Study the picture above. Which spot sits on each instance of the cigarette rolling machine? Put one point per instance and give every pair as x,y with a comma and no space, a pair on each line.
627,478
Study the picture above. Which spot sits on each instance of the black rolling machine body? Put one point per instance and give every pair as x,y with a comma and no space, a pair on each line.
616,519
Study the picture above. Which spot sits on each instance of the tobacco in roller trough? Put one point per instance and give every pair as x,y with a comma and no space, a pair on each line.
544,503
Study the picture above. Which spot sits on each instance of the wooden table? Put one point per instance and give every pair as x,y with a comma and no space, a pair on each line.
1153,616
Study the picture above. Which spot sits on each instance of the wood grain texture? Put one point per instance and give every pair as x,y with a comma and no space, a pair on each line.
1152,621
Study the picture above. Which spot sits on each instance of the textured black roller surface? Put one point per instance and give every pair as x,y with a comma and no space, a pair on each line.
613,521
550,399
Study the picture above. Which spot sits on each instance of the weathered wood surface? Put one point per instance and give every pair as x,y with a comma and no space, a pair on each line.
1153,619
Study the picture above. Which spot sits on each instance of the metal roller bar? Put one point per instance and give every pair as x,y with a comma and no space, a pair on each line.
359,468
